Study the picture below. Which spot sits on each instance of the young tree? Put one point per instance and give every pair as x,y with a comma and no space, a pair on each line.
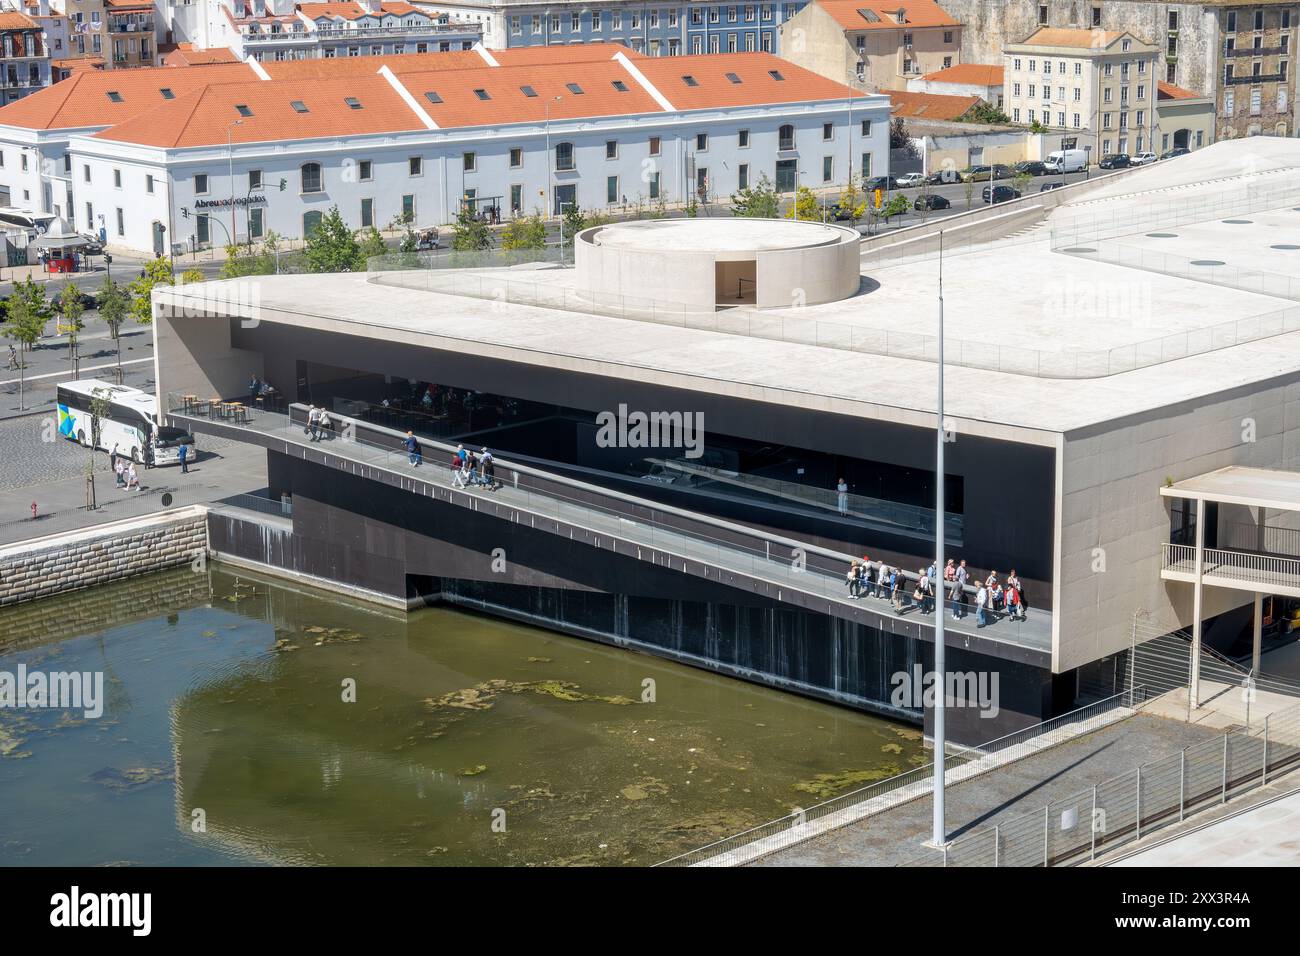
38,305
526,232
331,247
114,306
470,233
157,271
101,407
854,200
759,201
806,206
23,325
1020,181
69,307
371,246
897,206
968,187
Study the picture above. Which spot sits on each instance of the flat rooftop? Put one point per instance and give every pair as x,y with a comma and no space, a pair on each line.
718,235
1031,308
1237,484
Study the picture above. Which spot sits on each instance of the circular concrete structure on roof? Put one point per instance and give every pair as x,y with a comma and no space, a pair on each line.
700,265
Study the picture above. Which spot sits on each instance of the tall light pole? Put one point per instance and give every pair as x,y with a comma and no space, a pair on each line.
550,169
940,831
230,156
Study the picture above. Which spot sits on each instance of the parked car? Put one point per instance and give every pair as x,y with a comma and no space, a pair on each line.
1000,193
1114,161
1032,167
93,246
944,177
909,180
1048,187
1176,151
887,183
980,174
931,201
1142,159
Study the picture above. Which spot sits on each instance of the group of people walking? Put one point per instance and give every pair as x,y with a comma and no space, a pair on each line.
993,598
468,468
318,422
123,471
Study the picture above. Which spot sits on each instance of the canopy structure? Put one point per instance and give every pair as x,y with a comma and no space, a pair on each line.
61,235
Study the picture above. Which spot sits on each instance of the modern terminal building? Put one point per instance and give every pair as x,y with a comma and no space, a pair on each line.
671,419
213,154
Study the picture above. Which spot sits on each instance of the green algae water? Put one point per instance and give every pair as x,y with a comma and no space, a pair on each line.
247,721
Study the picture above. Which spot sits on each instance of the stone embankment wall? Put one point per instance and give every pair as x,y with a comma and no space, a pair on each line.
111,552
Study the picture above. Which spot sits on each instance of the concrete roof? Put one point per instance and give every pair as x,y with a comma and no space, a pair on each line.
719,235
1018,297
1238,485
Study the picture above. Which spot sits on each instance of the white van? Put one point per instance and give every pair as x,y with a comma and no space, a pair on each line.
1067,160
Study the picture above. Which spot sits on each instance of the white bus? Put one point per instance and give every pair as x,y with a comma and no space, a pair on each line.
131,424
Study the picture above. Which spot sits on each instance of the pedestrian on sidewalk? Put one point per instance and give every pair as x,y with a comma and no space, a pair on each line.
112,458
981,605
185,458
13,357
412,449
842,497
132,479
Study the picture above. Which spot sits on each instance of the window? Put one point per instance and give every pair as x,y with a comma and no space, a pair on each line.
255,222
415,165
866,127
742,139
828,168
482,94
1042,14
654,185
408,208
528,91
654,145
701,142
148,184
866,166
1259,19
166,92
785,137
611,189
121,222
776,75
299,106
742,176
114,96
1232,21
1096,16
469,162
90,216
573,88
117,177
620,86
433,97
311,222
733,78
516,157
365,170
947,36
353,102
367,212
690,80
311,178
516,199
254,179
200,182
564,156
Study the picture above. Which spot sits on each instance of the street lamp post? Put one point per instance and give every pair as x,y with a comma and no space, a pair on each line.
940,831
550,168
230,156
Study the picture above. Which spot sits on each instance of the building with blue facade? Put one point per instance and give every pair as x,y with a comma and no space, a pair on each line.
654,29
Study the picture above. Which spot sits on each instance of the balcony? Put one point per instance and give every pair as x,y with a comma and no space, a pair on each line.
1261,51
1240,570
1257,78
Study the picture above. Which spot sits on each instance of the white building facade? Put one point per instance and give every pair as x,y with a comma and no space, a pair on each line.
420,146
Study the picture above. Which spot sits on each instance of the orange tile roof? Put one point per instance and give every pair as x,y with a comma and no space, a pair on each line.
758,86
361,65
207,116
507,103
186,54
975,74
916,13
563,53
11,20
81,101
353,10
935,106
1167,91
1072,37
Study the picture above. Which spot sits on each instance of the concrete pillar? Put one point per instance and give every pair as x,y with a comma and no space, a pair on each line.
1194,686
1257,633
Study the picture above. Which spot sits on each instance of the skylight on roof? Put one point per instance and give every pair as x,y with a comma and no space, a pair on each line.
299,106
870,16
433,97
167,94
482,94
733,77
114,96
574,88
243,110
353,102
528,91
620,86
776,75
690,80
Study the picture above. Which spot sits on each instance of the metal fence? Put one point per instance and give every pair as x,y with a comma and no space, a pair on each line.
801,824
1126,808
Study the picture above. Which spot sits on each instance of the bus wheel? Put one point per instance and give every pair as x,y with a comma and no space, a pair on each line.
135,455
81,436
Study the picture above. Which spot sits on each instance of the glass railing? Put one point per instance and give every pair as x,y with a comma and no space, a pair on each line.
691,536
